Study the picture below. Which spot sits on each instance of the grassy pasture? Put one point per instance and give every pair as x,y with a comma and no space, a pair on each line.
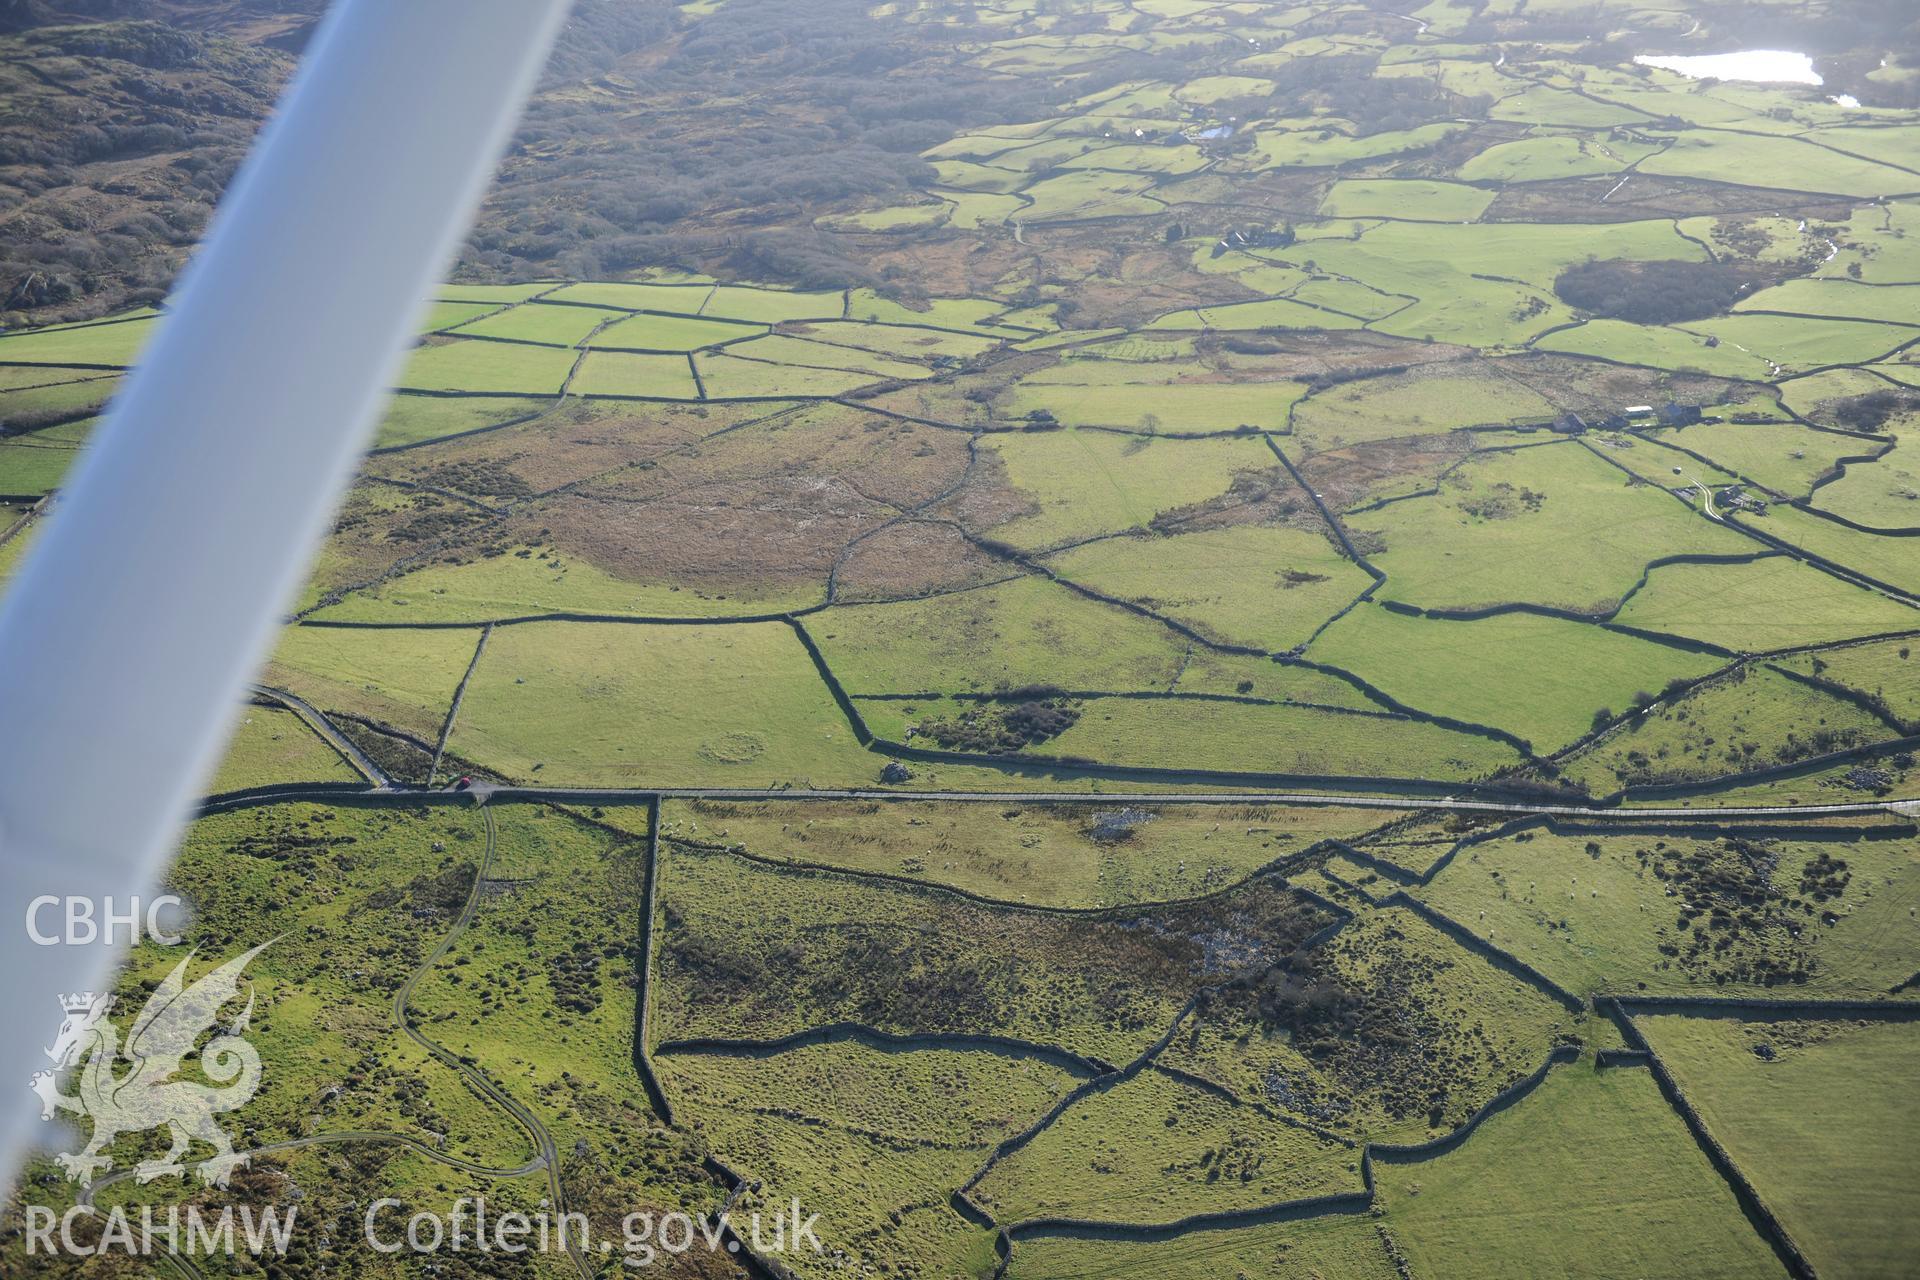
1813,1127
1885,669
1415,199
729,376
1783,456
446,315
33,467
1885,558
1275,739
113,342
541,322
1893,304
685,299
1269,313
1047,855
607,705
973,211
1269,587
964,314
1155,158
1085,483
1491,671
1590,912
1560,108
1026,632
1544,159
512,586
271,745
1090,193
412,419
1658,347
1400,405
27,409
894,340
1481,289
772,306
1276,149
889,219
1797,344
1593,1175
1737,606
492,294
1799,165
1549,525
1146,402
1882,494
670,333
41,377
493,368
800,353
626,373
402,678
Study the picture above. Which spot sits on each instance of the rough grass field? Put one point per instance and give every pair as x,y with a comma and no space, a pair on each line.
1803,1108
1603,912
1334,1246
1752,718
1085,483
1270,588
1084,855
1156,1149
1389,1031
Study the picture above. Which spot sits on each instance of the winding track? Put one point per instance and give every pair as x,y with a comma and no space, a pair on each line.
547,1155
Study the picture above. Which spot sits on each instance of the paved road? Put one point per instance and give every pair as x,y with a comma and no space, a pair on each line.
483,793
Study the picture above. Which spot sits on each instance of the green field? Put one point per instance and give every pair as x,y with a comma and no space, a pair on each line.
270,745
1550,1184
1478,671
1553,525
1736,606
599,705
1811,1126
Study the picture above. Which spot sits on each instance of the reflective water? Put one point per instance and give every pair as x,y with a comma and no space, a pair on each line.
1770,66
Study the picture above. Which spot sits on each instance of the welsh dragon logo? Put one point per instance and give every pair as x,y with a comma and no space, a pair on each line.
134,1087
